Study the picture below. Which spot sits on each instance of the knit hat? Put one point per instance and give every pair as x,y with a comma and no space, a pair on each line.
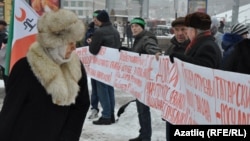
198,20
239,29
138,21
103,16
96,13
178,21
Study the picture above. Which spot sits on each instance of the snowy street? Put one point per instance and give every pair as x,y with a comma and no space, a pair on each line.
127,126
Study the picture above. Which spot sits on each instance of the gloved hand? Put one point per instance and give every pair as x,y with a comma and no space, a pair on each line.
171,56
124,48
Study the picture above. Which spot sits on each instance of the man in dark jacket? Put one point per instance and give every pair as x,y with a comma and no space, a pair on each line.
180,40
105,35
145,43
177,44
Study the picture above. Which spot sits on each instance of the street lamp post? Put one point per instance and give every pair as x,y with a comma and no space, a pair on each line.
235,12
175,7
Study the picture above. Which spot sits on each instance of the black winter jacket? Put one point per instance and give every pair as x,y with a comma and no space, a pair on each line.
106,36
204,52
175,46
28,113
145,43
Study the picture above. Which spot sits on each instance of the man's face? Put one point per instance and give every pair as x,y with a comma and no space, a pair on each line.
97,22
136,29
180,32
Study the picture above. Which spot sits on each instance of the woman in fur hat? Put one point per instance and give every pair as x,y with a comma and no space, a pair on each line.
202,50
47,95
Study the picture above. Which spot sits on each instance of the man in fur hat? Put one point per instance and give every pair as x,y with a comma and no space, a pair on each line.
47,95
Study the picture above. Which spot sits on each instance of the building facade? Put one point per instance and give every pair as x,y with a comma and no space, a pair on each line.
83,8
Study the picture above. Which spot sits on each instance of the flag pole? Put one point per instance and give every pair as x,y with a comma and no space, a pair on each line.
10,38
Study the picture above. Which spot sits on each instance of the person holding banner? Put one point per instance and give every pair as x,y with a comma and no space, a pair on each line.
177,44
145,43
202,50
106,35
47,96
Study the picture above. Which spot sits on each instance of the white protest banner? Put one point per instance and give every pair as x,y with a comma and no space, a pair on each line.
185,93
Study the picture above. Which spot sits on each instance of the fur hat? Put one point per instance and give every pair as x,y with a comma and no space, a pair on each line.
178,21
138,21
103,16
198,20
239,29
58,28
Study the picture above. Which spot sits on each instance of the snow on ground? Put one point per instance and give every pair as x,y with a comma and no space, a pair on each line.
125,128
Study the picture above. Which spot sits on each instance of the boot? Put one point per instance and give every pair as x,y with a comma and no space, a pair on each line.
103,121
113,118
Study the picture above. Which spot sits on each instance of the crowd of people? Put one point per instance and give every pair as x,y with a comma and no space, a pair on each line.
55,99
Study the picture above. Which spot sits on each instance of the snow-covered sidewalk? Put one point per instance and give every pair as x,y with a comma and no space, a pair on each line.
127,126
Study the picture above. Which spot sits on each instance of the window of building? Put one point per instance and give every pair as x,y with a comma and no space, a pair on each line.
66,3
73,3
80,3
80,12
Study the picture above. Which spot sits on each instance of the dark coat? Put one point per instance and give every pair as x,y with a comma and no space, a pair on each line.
107,36
28,113
204,52
175,46
238,60
228,43
145,43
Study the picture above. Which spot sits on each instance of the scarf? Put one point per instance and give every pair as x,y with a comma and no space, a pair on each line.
191,44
